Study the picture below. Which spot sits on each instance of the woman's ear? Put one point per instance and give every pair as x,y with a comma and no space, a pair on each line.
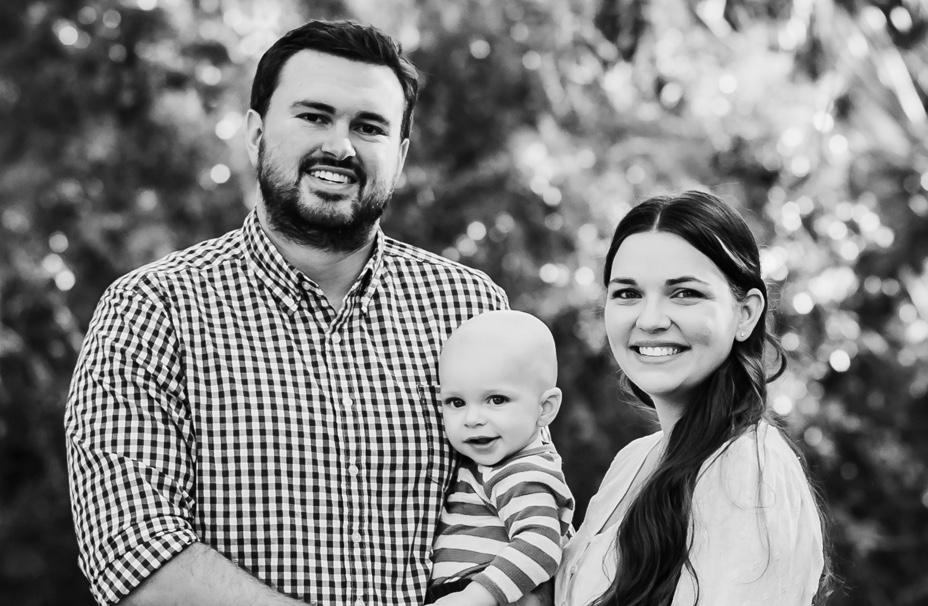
749,312
550,404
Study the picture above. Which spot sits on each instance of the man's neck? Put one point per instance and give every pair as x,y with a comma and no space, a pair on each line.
334,272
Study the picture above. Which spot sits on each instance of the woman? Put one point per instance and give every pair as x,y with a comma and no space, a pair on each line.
715,509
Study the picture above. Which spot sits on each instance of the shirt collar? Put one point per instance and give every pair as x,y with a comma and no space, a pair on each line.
288,285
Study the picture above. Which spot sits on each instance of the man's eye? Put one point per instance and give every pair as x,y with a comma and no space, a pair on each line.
313,118
370,129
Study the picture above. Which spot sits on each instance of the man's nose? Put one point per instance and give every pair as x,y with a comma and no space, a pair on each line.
337,142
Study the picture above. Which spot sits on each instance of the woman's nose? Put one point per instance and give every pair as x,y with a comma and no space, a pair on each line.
652,315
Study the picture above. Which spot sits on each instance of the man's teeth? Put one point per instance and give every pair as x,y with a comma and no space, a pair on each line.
327,175
658,351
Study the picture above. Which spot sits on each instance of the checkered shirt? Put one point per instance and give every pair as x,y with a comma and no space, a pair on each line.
219,398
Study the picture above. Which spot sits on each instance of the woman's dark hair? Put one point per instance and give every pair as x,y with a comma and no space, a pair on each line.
653,539
346,39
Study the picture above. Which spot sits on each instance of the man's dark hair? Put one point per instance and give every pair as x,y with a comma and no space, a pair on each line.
346,39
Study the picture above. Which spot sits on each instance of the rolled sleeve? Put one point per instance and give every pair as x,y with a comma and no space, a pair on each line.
129,444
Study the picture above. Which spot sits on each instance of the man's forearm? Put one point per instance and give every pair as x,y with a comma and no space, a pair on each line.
201,576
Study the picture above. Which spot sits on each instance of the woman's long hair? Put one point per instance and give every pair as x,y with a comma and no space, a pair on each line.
653,539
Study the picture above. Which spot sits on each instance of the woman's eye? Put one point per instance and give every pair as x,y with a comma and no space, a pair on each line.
687,293
624,293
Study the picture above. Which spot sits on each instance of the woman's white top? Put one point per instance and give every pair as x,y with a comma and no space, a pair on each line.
752,543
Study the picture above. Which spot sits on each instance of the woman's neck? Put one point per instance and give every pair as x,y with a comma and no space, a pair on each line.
668,413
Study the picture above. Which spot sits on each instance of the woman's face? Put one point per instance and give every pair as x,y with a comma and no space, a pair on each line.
670,315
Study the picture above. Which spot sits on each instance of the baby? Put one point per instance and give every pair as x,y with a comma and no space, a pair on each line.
504,521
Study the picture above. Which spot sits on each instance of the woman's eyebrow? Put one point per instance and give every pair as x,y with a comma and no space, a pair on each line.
683,279
622,281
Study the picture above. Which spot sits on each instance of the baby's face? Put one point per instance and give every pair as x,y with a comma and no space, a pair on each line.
490,404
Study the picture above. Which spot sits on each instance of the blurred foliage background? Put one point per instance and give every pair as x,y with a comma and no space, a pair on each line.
540,123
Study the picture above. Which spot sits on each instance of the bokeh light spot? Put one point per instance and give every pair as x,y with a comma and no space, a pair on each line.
58,242
790,341
531,60
584,276
65,280
67,33
839,360
476,231
220,173
783,405
480,49
803,303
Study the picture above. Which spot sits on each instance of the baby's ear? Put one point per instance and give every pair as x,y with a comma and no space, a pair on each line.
550,404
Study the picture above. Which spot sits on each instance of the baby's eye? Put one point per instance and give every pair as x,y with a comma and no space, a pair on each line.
454,403
498,400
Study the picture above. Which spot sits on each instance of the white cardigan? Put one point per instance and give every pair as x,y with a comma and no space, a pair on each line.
749,546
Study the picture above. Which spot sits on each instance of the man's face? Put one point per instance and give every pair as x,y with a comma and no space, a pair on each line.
328,150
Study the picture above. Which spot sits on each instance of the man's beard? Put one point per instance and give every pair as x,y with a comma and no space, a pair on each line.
318,227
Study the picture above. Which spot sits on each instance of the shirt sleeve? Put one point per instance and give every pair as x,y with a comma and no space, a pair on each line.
129,444
756,532
530,495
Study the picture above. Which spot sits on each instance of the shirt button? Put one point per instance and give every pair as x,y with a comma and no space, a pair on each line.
356,537
359,603
336,339
353,470
347,402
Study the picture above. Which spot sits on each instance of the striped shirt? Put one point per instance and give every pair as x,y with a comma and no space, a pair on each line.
219,398
503,526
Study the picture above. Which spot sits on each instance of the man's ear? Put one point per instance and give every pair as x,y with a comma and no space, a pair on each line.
550,404
254,130
749,308
404,149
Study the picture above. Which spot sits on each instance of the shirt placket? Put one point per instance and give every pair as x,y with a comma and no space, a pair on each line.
355,533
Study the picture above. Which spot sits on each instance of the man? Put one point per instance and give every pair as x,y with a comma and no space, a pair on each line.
254,420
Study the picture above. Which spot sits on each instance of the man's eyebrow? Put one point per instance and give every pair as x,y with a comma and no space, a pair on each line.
373,117
324,107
